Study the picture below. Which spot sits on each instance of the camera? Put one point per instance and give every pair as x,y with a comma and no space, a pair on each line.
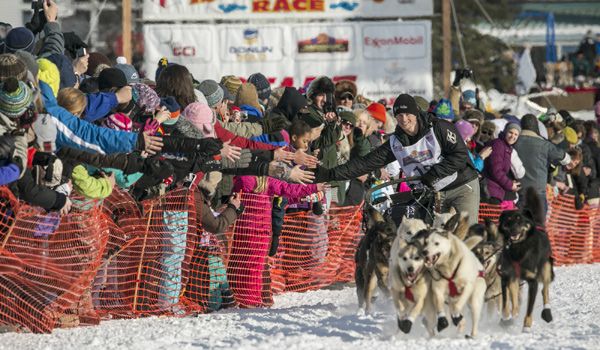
82,51
38,19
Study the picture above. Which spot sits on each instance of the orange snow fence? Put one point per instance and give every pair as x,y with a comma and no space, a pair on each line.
120,259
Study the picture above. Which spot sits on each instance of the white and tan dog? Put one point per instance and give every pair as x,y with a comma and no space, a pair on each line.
456,275
407,281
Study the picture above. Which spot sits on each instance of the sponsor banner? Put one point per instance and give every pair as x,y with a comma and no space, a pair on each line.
385,59
199,10
251,44
324,42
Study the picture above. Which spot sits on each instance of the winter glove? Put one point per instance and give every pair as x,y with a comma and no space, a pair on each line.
151,125
206,165
208,146
460,74
243,162
43,158
73,43
157,169
274,123
7,146
427,180
357,133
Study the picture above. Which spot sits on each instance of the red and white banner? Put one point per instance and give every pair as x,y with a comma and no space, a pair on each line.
199,10
384,58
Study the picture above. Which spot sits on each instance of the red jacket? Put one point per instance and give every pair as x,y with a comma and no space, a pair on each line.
226,135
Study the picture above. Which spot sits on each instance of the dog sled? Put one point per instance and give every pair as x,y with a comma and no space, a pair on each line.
416,203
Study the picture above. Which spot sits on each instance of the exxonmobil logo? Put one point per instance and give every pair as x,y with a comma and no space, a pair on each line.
394,41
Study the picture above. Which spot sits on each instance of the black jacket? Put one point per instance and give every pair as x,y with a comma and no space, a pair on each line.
28,191
454,152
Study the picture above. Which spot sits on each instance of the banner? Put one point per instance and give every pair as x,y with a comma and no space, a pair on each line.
383,58
200,10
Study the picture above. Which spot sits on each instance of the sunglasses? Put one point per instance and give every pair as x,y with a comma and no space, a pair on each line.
487,132
347,123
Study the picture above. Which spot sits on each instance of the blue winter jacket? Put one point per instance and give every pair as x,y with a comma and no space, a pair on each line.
99,105
77,133
9,173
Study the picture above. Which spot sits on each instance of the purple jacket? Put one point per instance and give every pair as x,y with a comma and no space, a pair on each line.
497,167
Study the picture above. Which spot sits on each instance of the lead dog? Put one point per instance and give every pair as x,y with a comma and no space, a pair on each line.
372,258
456,275
409,285
526,256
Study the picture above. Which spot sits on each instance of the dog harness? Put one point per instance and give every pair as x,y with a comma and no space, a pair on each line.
517,264
408,294
452,289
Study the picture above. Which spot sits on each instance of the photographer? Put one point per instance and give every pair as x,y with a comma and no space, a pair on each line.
321,111
462,101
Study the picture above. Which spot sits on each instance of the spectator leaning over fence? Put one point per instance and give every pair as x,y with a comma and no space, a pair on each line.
537,154
424,146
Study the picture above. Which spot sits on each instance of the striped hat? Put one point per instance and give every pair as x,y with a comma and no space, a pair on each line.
118,121
15,97
12,66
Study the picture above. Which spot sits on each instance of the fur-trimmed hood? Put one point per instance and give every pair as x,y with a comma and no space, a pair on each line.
187,129
321,84
345,86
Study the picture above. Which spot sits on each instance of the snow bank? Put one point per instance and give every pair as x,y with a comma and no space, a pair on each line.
328,319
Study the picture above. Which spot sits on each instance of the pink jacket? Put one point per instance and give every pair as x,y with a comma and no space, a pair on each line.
275,187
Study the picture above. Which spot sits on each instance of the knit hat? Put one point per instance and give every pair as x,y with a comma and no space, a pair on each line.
45,133
19,38
405,104
96,59
422,103
247,95
212,91
470,97
348,117
227,95
118,121
444,110
146,97
202,117
263,87
511,126
474,116
65,68
570,135
172,106
29,61
377,111
465,129
12,66
49,74
111,78
232,83
15,97
130,72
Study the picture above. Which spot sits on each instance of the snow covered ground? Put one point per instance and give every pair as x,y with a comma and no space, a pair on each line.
328,319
